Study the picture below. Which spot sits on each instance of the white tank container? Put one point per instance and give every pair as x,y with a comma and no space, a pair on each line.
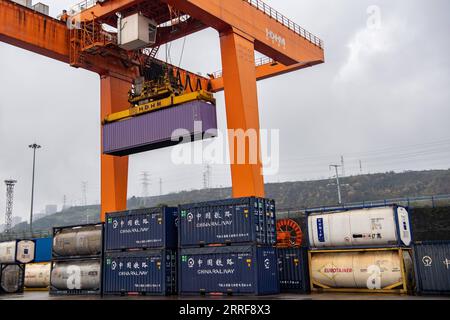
37,275
76,275
372,270
78,241
17,251
385,226
11,278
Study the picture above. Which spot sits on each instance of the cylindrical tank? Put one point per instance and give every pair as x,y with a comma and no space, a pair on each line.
12,278
37,275
8,252
359,270
384,226
78,241
76,275
17,251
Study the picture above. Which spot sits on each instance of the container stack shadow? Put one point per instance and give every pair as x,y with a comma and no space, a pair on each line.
227,247
76,260
141,252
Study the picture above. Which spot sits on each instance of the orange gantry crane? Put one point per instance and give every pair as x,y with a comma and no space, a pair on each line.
243,26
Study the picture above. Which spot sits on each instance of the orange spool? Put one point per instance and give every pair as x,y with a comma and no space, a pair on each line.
289,234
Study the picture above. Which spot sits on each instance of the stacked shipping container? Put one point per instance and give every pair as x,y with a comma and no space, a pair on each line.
293,270
76,260
37,274
227,247
360,250
13,257
140,252
432,266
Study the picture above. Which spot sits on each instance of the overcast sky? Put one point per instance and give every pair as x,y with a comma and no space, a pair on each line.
382,97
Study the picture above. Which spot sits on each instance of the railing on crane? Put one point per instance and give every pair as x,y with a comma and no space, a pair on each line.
258,62
260,5
83,5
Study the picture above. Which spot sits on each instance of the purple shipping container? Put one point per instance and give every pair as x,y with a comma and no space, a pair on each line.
154,130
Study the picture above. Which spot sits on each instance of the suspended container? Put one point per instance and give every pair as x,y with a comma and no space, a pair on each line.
12,278
75,242
241,220
43,249
159,129
293,270
37,276
17,251
388,270
228,270
76,277
141,229
432,265
361,228
143,272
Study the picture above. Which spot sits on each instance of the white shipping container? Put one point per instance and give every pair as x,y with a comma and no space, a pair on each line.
136,32
385,226
41,8
37,275
373,270
17,251
26,3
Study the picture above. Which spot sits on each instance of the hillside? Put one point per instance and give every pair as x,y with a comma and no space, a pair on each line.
288,195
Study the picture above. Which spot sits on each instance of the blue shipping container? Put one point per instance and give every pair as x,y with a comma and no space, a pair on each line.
147,272
432,266
241,220
250,270
43,249
294,270
141,228
271,222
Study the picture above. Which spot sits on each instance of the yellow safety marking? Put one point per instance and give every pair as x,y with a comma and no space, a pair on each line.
159,104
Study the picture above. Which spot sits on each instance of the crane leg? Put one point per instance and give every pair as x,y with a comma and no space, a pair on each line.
114,170
239,76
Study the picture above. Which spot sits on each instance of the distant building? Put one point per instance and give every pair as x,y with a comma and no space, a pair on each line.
16,220
51,209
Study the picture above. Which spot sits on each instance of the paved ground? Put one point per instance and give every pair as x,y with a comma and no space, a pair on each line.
43,295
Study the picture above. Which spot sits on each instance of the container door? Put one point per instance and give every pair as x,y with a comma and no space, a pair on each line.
432,263
404,226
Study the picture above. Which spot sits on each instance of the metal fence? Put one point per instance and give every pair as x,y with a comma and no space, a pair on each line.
25,235
260,5
421,201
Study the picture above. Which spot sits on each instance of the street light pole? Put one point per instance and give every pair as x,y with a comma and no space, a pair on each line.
337,182
33,146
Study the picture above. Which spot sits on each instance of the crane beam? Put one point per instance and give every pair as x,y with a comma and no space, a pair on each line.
32,31
262,71
241,101
114,170
275,35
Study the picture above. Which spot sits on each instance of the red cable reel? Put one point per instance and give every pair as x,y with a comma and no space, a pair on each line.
289,234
